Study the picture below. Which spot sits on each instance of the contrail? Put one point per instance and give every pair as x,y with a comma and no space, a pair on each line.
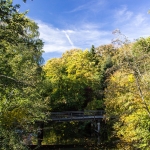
67,36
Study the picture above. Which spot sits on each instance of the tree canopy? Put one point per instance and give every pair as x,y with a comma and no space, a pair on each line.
127,95
112,77
73,79
20,75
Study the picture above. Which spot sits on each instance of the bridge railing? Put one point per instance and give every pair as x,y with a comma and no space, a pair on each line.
76,115
94,112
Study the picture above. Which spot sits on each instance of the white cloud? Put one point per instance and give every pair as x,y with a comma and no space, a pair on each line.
122,15
137,27
57,40
139,20
54,39
133,24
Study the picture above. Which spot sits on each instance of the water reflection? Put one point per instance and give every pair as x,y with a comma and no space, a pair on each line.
77,134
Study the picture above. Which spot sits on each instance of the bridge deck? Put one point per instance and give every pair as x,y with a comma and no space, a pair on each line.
76,115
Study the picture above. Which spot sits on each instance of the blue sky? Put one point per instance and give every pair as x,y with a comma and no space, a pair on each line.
68,24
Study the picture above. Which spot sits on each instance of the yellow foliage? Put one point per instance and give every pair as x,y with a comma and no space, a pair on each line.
131,78
17,115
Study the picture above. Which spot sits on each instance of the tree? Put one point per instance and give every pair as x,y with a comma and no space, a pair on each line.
20,75
92,50
127,95
73,77
105,55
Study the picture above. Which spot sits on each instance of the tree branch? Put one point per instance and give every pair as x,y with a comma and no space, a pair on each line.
17,81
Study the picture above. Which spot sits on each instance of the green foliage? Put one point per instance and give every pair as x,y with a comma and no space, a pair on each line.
73,78
20,75
127,95
117,79
68,133
104,56
92,50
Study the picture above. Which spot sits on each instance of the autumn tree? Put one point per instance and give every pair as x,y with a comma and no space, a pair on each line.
20,75
73,77
127,95
104,60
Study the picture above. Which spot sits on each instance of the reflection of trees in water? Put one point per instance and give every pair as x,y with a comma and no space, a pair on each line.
66,133
71,133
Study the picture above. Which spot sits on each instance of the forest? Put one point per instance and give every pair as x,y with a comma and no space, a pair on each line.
113,77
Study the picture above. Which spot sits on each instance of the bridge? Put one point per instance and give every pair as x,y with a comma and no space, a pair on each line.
87,115
76,115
